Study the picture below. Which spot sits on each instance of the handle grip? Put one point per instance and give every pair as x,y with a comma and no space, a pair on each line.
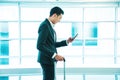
64,59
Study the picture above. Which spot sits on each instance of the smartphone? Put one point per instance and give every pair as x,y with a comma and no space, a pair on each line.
75,36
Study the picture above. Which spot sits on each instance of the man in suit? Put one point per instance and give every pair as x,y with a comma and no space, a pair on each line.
46,44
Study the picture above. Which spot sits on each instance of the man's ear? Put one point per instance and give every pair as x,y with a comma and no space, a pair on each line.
55,15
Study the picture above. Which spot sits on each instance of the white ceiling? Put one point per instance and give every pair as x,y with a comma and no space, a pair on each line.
63,0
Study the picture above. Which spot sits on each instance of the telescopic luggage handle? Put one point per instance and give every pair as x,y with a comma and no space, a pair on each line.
64,69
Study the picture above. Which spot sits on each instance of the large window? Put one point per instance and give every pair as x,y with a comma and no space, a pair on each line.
98,39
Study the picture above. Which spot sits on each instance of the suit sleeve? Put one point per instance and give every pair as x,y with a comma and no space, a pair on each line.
61,43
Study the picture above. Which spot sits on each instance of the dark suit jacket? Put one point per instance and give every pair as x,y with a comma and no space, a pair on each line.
46,43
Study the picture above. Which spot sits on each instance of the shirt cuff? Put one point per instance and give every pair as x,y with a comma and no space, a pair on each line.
67,42
54,55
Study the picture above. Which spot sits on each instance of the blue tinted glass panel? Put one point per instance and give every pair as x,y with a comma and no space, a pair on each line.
4,44
91,30
94,31
77,42
91,42
4,78
77,29
91,33
4,61
4,47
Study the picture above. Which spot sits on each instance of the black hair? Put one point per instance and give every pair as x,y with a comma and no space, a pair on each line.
56,10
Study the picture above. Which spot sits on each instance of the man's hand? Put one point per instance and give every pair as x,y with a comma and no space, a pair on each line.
59,57
69,40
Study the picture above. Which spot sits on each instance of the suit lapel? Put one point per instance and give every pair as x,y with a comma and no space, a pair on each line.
52,31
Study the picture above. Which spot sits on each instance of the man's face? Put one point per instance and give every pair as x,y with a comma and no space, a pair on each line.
57,18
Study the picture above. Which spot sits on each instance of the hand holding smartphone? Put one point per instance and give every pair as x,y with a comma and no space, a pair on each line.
72,38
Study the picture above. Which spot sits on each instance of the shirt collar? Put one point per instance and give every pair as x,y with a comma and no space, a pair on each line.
51,23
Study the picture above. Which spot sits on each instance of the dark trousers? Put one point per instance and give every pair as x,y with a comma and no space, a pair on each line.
48,71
